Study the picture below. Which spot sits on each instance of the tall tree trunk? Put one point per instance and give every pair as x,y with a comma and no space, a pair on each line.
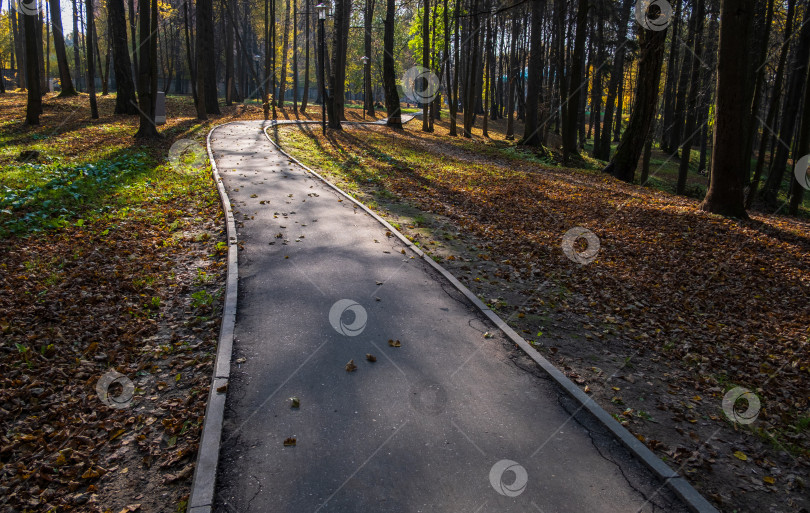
651,57
788,126
336,97
596,94
511,80
206,73
616,78
125,101
18,32
774,106
75,36
147,73
802,149
368,18
59,46
671,85
285,48
569,134
91,65
695,56
295,55
676,134
189,55
229,67
134,36
34,106
531,129
469,100
725,194
425,60
43,77
389,80
305,92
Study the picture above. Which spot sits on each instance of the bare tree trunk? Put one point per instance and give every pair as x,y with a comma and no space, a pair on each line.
569,134
532,135
695,56
125,101
206,77
651,57
425,60
389,80
791,107
285,48
368,17
34,106
725,194
91,65
59,46
305,92
802,148
511,79
189,55
147,72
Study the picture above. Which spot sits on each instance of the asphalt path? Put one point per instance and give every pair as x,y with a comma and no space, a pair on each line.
451,418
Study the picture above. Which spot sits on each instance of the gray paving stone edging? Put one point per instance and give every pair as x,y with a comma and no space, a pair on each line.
201,499
686,492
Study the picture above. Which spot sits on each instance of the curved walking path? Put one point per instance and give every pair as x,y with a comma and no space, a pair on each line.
456,419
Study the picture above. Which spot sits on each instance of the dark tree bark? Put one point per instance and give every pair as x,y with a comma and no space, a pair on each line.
368,18
569,132
206,73
59,47
305,92
725,194
672,80
532,135
18,32
336,98
134,36
285,48
802,148
469,100
125,101
651,57
189,54
91,65
512,80
425,60
689,134
43,77
788,125
676,134
147,72
76,56
616,78
389,80
774,106
596,94
34,107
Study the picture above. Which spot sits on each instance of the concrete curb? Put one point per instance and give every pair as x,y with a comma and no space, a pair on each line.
201,499
686,492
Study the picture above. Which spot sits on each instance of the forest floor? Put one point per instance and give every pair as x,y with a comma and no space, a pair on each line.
678,307
112,257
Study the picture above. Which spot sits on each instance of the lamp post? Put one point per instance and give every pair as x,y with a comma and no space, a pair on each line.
321,8
365,60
